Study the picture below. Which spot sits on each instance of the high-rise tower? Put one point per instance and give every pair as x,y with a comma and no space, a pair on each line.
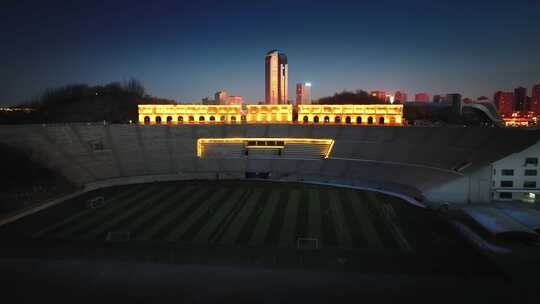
303,93
276,76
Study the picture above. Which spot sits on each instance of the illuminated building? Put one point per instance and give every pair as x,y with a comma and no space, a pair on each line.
520,99
504,101
234,100
177,114
421,97
381,95
303,93
276,77
351,114
535,100
206,146
520,119
269,113
400,97
220,97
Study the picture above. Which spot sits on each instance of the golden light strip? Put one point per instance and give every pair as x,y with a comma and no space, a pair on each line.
244,140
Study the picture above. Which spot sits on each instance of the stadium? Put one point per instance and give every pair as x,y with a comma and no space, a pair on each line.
329,197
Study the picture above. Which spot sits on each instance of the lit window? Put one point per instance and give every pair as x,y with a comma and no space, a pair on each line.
507,183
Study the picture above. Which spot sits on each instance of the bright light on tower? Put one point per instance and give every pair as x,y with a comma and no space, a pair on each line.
308,84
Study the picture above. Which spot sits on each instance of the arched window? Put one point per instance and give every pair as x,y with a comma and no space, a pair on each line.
201,118
316,119
326,119
146,120
337,119
305,119
359,119
212,118
392,120
222,118
191,119
158,119
180,119
233,118
169,119
381,121
348,119
370,120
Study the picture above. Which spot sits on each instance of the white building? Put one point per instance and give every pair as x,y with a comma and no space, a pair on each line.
515,177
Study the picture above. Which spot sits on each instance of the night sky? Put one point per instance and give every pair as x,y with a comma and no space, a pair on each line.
186,50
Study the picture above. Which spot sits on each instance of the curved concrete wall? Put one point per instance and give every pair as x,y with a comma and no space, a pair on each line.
414,160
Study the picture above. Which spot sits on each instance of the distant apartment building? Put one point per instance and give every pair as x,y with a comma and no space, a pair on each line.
400,97
220,97
234,100
421,97
381,95
276,78
303,93
520,99
504,102
455,101
535,100
438,98
208,101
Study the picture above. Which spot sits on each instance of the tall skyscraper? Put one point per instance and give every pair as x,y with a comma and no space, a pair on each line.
220,97
421,97
504,102
520,99
303,93
276,77
535,100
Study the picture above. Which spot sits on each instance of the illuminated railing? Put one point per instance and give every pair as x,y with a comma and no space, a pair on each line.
264,143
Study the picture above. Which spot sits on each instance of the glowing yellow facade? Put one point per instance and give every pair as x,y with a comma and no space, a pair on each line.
379,114
269,114
177,114
264,143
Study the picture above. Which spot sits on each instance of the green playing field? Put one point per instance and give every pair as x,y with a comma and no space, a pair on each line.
237,212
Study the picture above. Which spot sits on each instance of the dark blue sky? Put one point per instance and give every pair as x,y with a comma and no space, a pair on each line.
186,50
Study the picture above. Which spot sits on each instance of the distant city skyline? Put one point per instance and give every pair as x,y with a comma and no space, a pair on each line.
443,49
